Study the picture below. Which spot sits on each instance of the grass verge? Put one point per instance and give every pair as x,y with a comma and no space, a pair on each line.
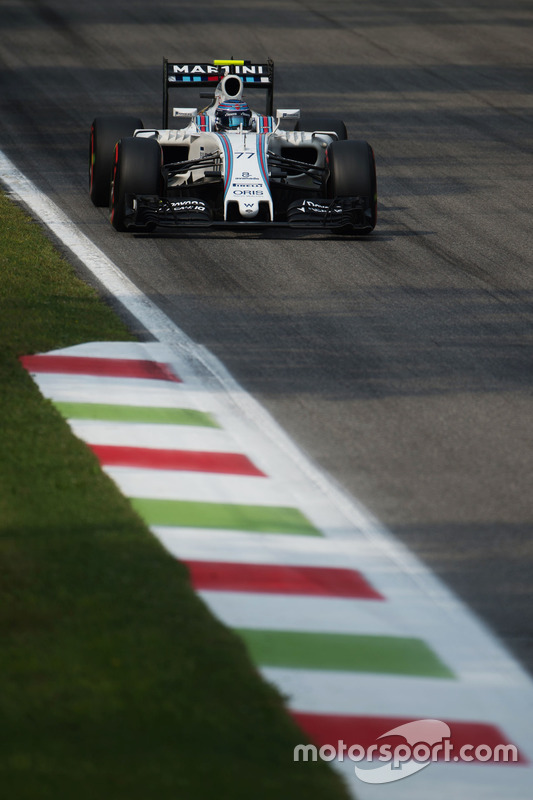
116,680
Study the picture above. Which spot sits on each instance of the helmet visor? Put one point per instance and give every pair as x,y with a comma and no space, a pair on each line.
237,120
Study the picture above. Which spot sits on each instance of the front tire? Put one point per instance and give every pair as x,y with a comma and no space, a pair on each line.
352,173
136,170
105,133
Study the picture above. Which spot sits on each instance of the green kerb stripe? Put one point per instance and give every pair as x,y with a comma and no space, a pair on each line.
337,651
258,519
118,413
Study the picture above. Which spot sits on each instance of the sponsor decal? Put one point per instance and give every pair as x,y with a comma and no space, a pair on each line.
312,207
209,69
188,205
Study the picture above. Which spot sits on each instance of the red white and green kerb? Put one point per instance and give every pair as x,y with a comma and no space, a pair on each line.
349,625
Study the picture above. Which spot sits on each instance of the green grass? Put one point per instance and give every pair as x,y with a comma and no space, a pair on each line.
116,680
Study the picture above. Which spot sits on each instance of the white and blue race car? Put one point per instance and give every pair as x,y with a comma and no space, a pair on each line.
229,165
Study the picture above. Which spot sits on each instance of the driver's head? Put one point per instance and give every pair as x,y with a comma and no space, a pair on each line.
231,114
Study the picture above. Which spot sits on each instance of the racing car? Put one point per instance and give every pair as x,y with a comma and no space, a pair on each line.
228,165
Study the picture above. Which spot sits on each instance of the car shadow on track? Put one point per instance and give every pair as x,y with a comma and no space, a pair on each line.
384,234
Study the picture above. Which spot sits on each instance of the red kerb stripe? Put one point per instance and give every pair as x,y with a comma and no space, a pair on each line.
275,579
365,731
189,460
102,367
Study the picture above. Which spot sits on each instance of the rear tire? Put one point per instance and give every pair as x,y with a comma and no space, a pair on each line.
105,133
322,124
136,170
353,174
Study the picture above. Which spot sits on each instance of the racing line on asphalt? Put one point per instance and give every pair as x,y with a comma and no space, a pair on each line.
349,625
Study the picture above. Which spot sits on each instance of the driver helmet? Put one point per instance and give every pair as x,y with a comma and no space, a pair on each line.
232,114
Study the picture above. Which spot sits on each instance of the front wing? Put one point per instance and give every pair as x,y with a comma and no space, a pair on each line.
149,212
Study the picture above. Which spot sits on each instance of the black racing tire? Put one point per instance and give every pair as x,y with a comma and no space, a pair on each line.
312,124
352,173
105,133
136,170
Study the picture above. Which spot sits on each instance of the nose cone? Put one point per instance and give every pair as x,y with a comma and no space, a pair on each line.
249,208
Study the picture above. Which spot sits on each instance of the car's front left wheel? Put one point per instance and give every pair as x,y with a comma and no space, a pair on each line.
136,171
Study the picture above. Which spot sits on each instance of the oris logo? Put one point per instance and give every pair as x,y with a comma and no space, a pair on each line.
247,192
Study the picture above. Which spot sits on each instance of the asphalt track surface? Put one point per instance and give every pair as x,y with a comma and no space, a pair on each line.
402,363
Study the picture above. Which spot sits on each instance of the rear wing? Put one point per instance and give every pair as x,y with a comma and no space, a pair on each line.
253,76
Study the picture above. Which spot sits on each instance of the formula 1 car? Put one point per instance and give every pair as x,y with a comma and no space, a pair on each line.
229,165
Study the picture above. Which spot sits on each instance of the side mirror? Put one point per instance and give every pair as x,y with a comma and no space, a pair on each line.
184,112
288,113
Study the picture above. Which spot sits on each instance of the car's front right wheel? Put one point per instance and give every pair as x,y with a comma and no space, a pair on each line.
352,173
105,133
